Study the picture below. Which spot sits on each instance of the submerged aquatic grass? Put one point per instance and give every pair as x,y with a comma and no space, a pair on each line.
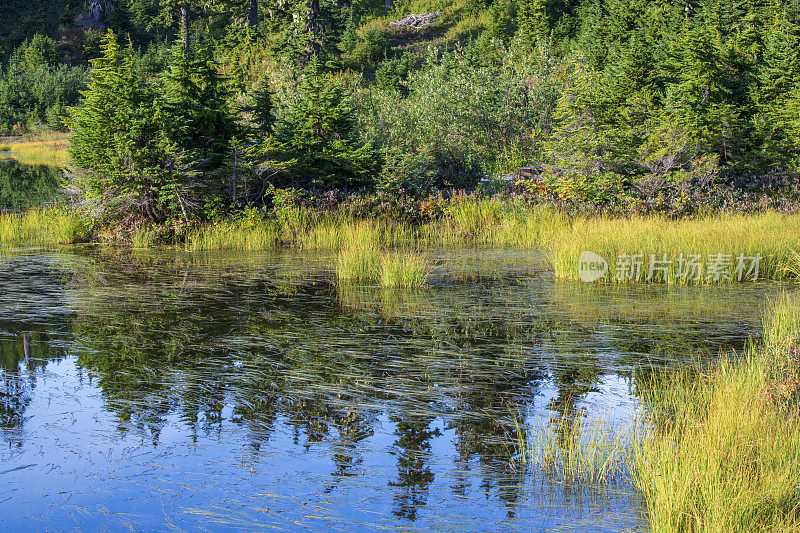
569,451
41,226
722,453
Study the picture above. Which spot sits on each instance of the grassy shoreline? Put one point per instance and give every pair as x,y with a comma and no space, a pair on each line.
723,449
722,247
717,447
48,148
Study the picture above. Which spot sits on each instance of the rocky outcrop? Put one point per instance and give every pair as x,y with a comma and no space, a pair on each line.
416,21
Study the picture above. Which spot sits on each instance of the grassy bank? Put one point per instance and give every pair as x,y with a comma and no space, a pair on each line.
46,149
43,226
717,448
715,248
720,238
723,449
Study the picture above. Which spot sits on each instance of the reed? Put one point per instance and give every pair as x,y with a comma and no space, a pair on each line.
723,454
43,226
244,236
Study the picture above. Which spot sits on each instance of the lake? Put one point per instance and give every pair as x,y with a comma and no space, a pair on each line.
165,391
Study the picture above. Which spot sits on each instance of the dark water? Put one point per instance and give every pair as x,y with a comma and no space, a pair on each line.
24,186
165,391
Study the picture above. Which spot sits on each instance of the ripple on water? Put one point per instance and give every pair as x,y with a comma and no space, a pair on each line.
163,390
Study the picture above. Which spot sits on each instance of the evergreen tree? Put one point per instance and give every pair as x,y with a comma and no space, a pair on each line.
316,140
708,85
113,142
577,148
150,151
778,76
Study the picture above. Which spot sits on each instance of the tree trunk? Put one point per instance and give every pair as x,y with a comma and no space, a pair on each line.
312,29
185,28
252,13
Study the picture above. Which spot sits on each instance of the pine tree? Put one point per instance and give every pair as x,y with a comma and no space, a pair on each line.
778,76
113,138
316,141
707,86
197,128
577,148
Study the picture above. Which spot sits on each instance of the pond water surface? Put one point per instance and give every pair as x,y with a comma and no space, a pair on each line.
162,391
23,186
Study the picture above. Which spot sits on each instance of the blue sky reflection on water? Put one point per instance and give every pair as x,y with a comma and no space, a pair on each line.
164,392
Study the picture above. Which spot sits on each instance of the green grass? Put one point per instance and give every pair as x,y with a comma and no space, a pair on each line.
723,452
249,236
142,238
497,223
48,150
469,221
716,450
366,262
775,236
358,264
43,226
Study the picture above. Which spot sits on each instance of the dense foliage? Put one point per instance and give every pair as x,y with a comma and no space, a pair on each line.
608,102
35,89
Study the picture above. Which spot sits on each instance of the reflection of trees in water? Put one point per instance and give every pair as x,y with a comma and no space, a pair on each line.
15,395
170,339
293,356
414,476
24,186
21,355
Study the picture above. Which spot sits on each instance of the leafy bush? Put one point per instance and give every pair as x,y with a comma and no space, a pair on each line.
468,115
371,48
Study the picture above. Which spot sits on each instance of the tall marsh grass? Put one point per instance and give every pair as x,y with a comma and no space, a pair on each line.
246,236
776,237
403,270
43,226
721,453
368,263
358,264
